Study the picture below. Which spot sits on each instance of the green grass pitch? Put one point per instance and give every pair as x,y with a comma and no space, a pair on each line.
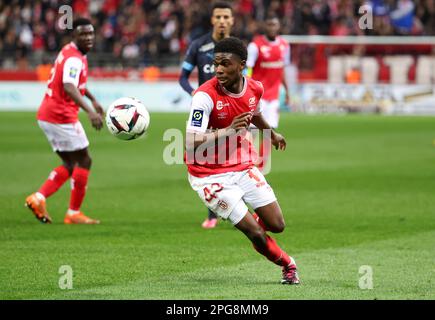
355,190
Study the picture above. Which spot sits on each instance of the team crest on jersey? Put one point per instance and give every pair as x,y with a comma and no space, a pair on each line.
197,116
252,101
73,72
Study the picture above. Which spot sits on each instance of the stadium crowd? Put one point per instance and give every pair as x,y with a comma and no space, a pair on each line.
140,31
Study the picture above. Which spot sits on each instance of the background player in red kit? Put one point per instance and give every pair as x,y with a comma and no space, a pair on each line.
268,55
58,118
222,109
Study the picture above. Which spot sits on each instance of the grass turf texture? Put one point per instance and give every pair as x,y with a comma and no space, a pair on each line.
355,190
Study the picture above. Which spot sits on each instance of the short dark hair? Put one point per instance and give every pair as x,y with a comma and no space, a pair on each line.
81,21
271,16
221,5
232,45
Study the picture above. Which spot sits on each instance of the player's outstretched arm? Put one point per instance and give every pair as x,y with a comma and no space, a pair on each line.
74,93
277,140
97,106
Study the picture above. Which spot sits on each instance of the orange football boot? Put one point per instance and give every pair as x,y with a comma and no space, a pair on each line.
79,218
38,208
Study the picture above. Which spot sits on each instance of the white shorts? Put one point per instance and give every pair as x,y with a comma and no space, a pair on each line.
271,112
65,137
228,194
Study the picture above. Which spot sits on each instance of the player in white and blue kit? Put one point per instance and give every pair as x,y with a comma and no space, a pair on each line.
200,55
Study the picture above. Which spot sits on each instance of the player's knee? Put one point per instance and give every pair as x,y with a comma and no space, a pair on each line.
257,236
69,166
278,226
85,162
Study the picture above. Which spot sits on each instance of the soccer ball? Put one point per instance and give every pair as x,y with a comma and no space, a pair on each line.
127,118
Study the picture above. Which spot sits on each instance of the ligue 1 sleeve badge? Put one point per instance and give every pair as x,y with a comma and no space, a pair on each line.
197,116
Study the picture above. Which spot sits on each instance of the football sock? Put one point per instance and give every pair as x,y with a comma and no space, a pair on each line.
72,212
274,253
260,222
40,196
79,181
55,180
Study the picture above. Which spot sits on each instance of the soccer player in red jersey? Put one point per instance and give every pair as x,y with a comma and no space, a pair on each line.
58,118
268,55
220,157
200,54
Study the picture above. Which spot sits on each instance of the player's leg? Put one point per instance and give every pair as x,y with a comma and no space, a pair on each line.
211,221
266,245
57,177
270,217
79,181
260,196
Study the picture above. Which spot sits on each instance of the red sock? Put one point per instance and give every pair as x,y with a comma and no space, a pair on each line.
79,181
274,253
55,180
260,222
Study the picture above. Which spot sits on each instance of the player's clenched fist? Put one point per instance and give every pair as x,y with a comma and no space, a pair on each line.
241,121
278,141
96,120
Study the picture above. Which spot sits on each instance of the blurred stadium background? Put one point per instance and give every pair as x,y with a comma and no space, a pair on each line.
355,190
392,71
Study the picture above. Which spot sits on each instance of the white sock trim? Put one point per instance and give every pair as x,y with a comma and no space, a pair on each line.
40,196
292,261
71,212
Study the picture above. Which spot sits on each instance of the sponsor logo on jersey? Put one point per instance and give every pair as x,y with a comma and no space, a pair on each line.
208,68
197,116
206,47
272,64
265,50
220,105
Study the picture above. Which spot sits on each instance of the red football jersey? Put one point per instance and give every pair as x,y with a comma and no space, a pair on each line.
71,66
213,107
268,64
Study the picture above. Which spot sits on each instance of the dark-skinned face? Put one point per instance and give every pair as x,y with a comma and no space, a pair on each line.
84,37
228,68
272,28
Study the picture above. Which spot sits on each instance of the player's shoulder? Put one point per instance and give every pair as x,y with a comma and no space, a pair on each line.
258,38
70,50
210,87
203,43
282,40
255,86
